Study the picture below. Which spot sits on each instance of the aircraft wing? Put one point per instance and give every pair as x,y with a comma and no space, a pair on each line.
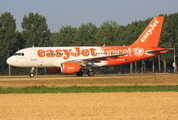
90,61
105,57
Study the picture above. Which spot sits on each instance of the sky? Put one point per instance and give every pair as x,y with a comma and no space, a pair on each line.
60,13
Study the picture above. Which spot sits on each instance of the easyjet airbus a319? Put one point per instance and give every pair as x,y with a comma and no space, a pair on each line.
75,59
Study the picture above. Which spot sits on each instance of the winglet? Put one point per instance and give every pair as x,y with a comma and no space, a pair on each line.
150,36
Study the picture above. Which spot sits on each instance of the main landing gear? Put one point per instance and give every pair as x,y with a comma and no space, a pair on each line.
90,73
31,72
80,73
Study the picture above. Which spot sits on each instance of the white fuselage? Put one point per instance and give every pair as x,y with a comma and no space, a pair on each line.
49,57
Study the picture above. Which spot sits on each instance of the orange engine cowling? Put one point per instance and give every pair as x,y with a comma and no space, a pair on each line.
70,67
52,70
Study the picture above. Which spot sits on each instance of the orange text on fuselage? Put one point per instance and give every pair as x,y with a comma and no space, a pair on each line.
76,52
65,53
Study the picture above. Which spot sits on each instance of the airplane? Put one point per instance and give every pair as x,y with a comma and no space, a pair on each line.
69,60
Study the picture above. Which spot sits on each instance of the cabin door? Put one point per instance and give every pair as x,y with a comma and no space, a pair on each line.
33,55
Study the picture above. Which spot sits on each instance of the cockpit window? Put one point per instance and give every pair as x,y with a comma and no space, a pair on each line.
19,54
15,54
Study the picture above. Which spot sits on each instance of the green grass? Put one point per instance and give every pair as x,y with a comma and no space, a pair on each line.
93,89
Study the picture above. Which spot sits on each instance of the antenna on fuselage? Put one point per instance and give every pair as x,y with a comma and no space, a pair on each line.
33,46
103,44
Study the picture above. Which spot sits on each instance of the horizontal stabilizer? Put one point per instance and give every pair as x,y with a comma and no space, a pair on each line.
153,51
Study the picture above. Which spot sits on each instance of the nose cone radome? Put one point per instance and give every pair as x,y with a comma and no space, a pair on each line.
10,61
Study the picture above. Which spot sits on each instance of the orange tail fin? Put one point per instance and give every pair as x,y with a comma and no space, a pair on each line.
150,36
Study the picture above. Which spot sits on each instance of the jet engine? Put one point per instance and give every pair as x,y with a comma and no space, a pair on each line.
70,67
52,70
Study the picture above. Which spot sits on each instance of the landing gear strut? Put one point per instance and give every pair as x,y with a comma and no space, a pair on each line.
31,72
80,73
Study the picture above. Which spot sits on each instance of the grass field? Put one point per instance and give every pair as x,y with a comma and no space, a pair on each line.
93,89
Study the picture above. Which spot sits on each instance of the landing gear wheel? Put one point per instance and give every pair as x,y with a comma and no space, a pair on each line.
31,75
91,73
31,72
80,73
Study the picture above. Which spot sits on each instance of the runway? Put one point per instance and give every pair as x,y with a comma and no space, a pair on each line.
67,81
84,76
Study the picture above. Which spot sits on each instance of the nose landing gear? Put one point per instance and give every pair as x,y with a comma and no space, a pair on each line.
31,72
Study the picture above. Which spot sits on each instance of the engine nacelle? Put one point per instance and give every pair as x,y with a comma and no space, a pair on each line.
70,67
52,70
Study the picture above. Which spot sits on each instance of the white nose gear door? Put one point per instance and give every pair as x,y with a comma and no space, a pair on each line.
33,54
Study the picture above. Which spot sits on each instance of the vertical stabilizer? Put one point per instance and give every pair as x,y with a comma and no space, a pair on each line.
150,36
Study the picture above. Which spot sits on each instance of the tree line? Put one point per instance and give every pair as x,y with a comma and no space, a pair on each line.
35,31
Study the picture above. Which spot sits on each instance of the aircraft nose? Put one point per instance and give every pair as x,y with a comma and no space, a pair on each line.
10,61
